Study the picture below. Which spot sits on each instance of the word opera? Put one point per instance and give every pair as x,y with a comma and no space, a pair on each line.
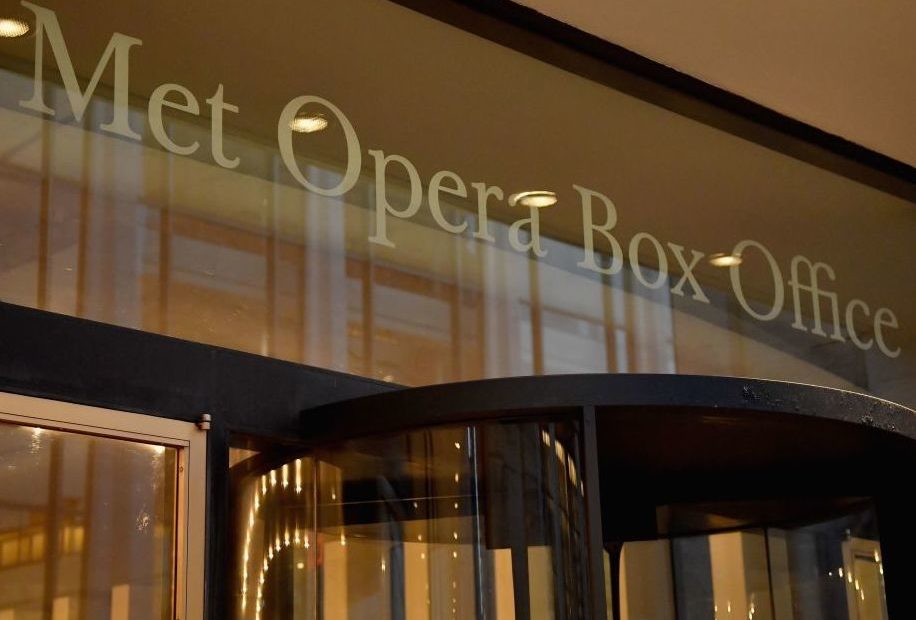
599,214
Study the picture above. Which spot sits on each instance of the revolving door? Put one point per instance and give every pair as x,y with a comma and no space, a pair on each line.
638,498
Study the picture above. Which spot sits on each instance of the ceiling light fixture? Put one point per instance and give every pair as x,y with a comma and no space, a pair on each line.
725,260
11,28
536,199
308,123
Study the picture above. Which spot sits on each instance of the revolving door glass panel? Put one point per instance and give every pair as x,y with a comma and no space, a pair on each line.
697,515
825,570
460,522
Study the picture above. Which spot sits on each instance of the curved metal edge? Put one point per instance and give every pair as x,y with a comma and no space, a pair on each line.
455,403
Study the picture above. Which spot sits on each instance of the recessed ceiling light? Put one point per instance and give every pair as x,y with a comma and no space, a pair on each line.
537,199
11,28
725,260
308,123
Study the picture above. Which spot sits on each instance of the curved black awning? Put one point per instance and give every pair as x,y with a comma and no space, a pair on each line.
756,450
520,396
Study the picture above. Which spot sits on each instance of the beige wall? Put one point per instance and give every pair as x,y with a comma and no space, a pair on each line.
843,66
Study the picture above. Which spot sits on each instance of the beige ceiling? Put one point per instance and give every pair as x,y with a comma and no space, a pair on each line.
844,66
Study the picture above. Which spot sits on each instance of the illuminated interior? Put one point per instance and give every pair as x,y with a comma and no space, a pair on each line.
490,521
87,526
403,528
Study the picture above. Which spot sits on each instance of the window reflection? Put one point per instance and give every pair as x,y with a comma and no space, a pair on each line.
830,569
464,522
86,526
126,234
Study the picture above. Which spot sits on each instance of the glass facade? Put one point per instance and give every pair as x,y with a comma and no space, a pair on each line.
197,199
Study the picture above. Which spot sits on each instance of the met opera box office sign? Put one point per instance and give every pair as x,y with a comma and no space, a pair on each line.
244,195
366,197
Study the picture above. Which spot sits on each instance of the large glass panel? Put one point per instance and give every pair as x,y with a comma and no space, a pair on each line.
193,223
87,527
829,569
464,522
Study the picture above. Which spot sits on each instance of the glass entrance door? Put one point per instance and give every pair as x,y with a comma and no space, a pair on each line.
100,515
70,503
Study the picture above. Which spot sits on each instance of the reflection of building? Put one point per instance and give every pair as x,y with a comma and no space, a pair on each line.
235,279
217,463
85,518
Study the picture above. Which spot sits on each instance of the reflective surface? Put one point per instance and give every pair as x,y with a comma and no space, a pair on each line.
121,230
467,522
826,570
86,527
490,521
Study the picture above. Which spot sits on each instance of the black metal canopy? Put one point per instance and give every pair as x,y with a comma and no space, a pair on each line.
672,448
456,403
